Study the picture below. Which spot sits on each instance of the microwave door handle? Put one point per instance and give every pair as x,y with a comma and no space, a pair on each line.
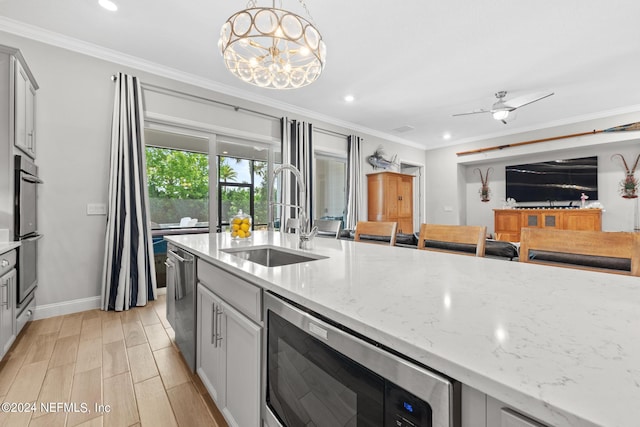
32,179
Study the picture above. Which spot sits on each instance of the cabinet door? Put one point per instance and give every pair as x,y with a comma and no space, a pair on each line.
20,107
30,118
588,220
405,204
24,111
240,341
7,317
550,220
507,224
209,355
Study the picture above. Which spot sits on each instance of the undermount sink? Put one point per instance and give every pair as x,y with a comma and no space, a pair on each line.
271,256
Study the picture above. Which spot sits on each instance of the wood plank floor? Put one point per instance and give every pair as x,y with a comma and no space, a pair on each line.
76,365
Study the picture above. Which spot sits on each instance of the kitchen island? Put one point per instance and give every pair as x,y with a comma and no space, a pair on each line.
558,344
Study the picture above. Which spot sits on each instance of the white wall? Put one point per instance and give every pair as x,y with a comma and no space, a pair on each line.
452,182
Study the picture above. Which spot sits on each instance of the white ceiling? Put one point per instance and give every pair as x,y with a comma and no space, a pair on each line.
410,62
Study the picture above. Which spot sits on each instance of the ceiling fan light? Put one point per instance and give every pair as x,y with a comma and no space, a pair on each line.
500,114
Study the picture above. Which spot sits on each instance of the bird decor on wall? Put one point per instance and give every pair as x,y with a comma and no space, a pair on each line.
378,161
484,191
629,185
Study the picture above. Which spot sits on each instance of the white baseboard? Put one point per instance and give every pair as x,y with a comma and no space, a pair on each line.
73,306
66,307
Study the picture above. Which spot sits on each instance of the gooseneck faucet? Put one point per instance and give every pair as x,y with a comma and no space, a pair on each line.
303,232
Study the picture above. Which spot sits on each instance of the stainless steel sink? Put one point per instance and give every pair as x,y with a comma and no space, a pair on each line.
271,256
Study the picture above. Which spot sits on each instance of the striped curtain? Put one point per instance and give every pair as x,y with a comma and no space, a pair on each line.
354,182
129,273
297,150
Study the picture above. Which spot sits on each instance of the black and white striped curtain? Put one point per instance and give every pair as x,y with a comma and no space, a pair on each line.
354,182
129,273
297,150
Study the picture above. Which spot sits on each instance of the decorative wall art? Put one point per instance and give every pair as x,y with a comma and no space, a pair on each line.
378,161
629,185
485,191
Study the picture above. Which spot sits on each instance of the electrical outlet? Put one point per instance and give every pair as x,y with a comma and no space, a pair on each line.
96,209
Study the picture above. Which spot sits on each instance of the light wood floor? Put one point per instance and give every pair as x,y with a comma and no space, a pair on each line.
126,360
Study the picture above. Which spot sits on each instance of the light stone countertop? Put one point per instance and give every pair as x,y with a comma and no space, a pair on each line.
7,246
559,344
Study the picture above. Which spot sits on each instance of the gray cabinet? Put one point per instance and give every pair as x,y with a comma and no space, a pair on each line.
229,343
8,284
25,104
17,124
480,410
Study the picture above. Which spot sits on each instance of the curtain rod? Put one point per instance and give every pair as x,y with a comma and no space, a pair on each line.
199,98
235,107
330,132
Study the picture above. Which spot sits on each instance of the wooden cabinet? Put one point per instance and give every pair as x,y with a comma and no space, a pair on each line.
508,222
390,198
8,285
229,344
25,108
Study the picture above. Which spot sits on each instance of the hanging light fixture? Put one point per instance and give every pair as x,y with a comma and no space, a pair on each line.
272,48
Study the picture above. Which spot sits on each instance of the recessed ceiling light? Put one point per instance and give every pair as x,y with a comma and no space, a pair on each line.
446,135
225,152
108,4
349,98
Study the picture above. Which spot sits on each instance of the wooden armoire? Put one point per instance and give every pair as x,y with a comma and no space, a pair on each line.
390,198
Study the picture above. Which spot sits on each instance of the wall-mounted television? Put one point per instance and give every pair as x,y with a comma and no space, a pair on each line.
554,180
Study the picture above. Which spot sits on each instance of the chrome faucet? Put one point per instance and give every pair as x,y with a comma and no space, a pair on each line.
304,233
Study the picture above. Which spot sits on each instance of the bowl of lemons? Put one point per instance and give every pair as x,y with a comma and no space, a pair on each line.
240,226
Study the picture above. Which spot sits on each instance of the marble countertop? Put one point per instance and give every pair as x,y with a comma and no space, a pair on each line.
559,344
7,246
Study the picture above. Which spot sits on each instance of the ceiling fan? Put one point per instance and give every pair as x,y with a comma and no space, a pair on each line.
501,109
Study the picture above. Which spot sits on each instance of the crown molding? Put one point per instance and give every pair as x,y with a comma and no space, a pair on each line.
56,39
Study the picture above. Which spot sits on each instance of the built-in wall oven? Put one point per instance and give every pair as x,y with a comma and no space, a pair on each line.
26,228
318,373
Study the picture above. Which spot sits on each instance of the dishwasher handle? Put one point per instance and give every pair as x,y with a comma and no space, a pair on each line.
178,257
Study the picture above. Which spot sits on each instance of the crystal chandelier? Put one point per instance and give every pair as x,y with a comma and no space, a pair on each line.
272,48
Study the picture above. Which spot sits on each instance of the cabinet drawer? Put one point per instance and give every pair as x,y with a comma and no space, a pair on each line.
242,295
511,418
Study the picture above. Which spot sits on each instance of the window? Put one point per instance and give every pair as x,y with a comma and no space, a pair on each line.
330,187
242,185
178,183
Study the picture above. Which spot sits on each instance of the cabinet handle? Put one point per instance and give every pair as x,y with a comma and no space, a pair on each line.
213,325
5,294
219,326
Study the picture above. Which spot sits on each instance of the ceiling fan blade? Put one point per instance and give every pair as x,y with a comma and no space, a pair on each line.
526,100
471,112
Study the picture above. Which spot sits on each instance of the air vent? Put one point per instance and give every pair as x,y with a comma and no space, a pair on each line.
403,129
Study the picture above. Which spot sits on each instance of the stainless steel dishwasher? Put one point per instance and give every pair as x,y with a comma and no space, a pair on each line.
181,300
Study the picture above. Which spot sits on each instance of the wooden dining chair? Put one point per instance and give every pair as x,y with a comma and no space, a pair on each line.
460,239
367,231
610,251
328,227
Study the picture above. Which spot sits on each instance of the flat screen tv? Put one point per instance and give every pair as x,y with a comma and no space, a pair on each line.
555,180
